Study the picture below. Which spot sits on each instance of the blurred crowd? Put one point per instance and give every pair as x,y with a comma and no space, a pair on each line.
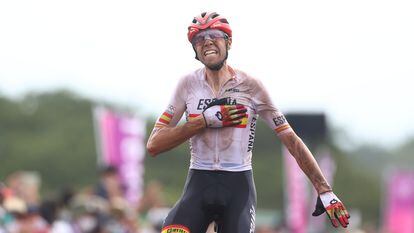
99,208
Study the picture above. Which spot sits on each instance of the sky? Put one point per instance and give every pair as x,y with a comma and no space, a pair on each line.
353,60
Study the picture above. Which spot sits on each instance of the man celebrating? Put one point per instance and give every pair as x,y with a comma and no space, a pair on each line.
222,106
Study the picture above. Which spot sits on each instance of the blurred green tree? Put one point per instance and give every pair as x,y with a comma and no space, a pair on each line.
53,133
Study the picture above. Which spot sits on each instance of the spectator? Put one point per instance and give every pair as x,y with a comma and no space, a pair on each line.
109,185
152,197
26,185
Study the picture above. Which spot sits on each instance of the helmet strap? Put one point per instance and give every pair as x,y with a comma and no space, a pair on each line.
196,57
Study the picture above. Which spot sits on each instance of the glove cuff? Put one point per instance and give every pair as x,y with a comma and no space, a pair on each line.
329,198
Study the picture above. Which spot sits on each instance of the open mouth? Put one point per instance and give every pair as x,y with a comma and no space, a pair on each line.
210,52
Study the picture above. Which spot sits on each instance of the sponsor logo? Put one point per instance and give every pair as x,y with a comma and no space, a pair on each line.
232,90
251,134
175,229
280,120
219,116
170,109
333,201
252,219
203,103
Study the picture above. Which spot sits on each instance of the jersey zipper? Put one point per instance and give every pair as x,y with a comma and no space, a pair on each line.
216,164
216,156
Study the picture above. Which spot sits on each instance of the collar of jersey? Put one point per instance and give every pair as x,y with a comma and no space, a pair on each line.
232,72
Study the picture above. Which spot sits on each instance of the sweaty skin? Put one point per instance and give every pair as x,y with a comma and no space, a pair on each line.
235,85
306,161
166,138
222,106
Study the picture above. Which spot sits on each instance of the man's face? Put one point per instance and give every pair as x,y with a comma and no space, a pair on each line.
211,47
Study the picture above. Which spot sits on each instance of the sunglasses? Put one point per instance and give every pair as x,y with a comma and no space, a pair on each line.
213,35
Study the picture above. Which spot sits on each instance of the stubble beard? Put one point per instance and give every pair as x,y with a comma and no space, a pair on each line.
217,66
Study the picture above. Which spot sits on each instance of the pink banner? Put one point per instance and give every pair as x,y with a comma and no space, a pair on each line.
328,167
296,195
121,144
399,205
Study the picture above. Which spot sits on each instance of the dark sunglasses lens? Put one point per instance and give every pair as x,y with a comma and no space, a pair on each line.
216,35
212,35
197,40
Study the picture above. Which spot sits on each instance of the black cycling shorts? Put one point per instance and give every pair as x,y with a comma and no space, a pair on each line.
228,198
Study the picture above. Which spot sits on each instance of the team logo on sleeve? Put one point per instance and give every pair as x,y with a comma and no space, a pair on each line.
279,120
281,124
167,116
175,229
170,109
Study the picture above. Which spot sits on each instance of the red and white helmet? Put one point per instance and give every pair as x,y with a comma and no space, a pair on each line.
208,20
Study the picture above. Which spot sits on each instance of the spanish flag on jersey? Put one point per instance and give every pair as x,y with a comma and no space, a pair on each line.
282,128
243,124
164,119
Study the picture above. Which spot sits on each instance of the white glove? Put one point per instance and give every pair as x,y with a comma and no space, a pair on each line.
328,202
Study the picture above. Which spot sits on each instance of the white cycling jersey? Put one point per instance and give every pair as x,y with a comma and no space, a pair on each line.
228,148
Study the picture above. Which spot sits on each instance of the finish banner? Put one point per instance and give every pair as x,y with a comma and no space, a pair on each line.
399,202
120,143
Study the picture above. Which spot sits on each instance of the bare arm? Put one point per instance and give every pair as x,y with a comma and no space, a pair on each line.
306,161
165,138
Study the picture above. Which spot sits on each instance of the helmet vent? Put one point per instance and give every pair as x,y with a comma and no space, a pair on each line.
208,20
224,21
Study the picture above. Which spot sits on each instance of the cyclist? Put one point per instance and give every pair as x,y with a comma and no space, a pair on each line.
222,105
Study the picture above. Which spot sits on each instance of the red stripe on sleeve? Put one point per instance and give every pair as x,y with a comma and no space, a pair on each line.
163,121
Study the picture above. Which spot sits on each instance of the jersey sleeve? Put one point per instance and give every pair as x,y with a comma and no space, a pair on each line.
266,109
176,107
